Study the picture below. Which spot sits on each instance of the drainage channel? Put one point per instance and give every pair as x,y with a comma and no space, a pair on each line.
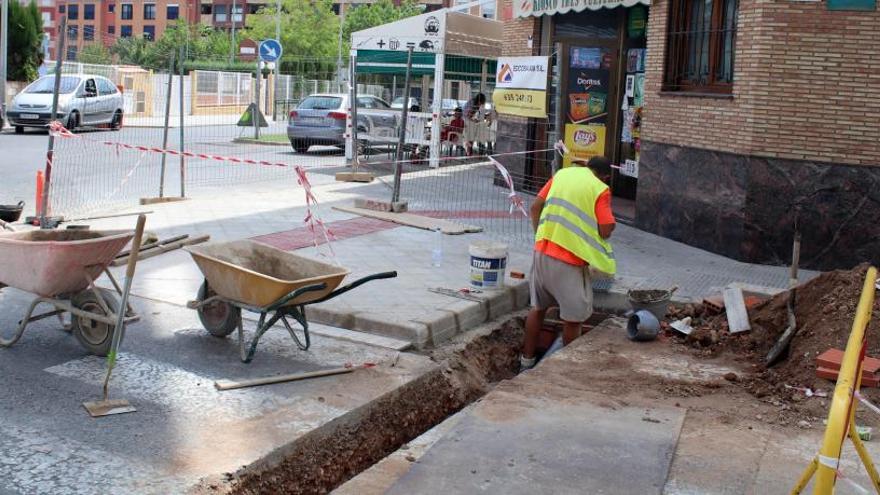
331,455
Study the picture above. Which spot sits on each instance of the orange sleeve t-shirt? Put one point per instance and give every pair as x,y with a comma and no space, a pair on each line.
604,216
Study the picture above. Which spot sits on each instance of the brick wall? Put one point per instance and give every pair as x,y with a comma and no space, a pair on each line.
807,86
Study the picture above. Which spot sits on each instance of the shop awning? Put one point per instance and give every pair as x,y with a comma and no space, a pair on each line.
536,8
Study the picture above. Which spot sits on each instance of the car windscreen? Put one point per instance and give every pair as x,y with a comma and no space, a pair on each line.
320,103
46,85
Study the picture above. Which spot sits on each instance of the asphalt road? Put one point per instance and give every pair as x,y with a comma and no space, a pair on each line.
90,175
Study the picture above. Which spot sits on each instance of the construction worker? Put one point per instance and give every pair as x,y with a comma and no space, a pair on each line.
572,219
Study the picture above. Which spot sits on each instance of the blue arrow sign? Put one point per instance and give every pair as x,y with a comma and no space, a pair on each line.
270,50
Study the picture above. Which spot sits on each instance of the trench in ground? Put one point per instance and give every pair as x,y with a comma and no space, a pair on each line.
329,456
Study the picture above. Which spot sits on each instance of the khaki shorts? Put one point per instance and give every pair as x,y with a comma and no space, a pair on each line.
556,283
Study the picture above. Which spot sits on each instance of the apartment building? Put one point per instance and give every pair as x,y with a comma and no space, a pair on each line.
104,21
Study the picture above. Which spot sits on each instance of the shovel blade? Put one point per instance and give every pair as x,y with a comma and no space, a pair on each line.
100,408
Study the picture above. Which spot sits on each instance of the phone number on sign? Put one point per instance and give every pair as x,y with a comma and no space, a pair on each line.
518,98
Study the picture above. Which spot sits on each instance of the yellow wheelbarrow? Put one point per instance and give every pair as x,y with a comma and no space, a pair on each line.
259,278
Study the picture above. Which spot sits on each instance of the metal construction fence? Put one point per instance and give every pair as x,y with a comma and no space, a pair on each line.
186,133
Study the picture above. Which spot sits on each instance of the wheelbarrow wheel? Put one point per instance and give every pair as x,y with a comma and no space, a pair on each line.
94,336
219,318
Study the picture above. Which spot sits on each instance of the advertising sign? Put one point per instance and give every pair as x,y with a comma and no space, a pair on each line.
583,142
527,8
425,32
521,86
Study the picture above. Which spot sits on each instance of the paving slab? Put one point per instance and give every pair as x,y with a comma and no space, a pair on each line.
550,447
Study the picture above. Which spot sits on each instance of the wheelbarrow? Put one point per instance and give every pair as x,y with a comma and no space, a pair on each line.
275,284
60,267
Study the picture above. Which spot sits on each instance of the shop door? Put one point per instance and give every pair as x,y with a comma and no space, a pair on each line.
591,96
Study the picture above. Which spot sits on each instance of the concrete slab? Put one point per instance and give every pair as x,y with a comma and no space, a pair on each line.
184,429
511,444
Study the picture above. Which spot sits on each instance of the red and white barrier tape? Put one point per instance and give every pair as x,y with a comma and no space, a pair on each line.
312,221
515,200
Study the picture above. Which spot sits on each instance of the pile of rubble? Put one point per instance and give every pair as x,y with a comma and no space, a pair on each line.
824,310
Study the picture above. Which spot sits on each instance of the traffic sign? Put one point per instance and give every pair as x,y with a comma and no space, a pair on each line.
270,50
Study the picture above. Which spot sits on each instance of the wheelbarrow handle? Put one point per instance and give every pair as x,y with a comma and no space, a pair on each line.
296,293
355,284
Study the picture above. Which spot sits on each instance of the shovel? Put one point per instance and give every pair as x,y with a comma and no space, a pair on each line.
106,406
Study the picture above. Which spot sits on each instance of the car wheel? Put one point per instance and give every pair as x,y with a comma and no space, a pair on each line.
116,123
300,146
72,121
19,129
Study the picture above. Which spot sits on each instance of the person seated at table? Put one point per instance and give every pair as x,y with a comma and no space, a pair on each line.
452,131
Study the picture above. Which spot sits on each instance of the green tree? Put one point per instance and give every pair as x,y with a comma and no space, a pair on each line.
25,41
96,53
135,51
309,28
200,42
376,14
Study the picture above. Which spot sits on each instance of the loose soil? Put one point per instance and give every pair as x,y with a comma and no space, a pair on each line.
336,452
824,310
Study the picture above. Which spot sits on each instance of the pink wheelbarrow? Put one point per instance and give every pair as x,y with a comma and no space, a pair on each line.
60,267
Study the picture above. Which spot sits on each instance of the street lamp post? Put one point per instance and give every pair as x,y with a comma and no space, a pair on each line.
277,62
339,47
232,35
4,27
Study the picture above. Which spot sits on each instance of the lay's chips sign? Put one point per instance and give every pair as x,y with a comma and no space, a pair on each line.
583,142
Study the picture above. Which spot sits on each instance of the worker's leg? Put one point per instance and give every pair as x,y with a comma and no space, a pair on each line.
574,291
541,300
570,331
534,322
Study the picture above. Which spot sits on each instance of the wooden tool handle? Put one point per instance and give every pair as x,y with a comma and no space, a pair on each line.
135,246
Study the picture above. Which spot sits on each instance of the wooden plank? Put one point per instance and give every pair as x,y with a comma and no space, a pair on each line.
354,177
163,248
737,315
269,380
413,220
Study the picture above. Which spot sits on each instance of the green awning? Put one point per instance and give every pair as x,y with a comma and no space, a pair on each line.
456,67
388,62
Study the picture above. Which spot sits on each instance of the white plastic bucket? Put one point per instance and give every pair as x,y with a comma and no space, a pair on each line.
488,264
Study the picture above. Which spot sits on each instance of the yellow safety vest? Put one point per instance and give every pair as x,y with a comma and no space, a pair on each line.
569,217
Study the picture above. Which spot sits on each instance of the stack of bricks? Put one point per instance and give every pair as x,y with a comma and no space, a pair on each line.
806,86
828,367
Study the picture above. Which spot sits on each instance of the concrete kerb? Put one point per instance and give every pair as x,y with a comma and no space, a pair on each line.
456,317
460,316
242,140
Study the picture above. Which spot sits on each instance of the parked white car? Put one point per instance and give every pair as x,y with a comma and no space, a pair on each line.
83,100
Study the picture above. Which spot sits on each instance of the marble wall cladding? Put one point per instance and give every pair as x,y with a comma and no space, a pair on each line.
745,207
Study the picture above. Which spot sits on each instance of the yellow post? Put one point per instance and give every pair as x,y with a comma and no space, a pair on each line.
842,407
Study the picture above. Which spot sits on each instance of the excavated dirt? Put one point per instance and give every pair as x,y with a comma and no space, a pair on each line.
824,309
331,455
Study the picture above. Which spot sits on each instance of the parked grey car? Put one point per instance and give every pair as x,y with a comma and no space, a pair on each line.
320,120
83,100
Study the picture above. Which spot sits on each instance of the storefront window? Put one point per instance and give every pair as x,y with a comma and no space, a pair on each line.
700,46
